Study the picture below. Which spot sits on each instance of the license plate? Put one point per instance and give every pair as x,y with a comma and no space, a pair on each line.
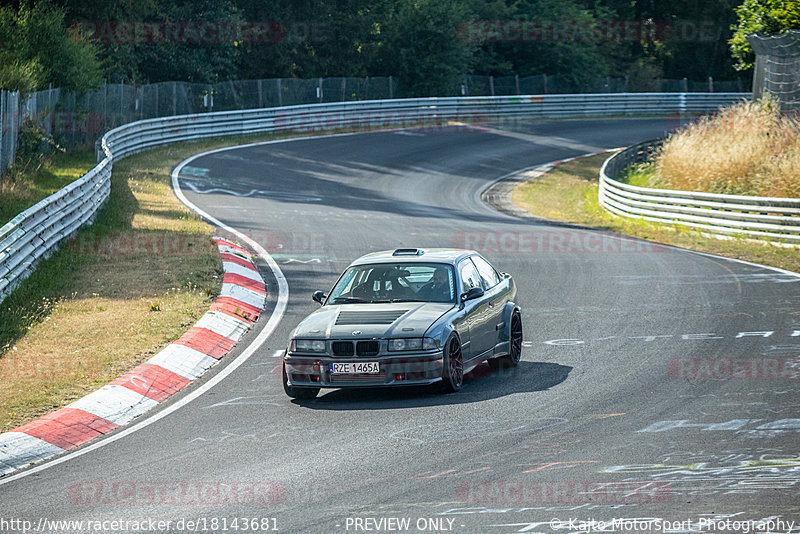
369,368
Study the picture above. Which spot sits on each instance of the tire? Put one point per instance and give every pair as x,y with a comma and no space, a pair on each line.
514,346
297,392
453,371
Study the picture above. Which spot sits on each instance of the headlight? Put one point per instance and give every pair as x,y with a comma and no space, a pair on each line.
412,343
307,345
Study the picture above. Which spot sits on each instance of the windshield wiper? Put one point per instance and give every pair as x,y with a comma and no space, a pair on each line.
400,300
350,299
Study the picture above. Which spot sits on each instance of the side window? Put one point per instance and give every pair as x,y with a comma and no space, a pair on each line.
469,275
487,272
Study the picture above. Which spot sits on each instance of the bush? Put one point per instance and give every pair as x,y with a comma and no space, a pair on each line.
746,149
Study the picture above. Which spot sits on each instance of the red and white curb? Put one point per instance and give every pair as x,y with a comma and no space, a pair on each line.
240,303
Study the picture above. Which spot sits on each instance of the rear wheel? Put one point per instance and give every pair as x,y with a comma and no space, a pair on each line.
297,392
514,346
453,369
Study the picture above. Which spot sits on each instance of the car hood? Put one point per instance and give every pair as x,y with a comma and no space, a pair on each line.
354,321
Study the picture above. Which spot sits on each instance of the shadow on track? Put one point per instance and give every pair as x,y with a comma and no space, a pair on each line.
479,385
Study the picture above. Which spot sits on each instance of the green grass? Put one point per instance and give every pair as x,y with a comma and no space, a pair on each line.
641,175
22,187
569,194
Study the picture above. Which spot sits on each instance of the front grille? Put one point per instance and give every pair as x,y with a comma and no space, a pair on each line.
367,348
368,317
359,348
342,348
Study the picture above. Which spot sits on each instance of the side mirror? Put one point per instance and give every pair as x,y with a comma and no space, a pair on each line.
473,293
318,296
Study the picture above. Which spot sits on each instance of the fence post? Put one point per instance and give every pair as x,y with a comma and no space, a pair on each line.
259,94
516,82
544,83
491,85
344,88
280,95
366,88
391,91
156,88
710,84
50,107
2,129
319,89
685,85
174,98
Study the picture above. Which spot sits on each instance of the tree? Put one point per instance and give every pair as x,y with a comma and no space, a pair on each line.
149,41
421,46
763,16
37,48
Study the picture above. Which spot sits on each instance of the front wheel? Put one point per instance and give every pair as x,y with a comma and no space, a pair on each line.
296,392
514,346
453,368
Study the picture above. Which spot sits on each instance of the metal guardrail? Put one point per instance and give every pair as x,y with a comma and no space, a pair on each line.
36,232
772,218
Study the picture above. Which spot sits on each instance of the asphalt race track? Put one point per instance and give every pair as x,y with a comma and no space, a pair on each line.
655,383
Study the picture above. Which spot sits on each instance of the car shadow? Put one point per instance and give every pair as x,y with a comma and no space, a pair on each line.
480,384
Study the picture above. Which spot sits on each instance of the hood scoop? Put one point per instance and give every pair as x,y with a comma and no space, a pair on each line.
349,317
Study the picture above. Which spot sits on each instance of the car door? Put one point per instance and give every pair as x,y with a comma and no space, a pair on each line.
477,313
497,297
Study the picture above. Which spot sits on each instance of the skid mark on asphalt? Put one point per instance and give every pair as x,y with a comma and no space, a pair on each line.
256,400
203,189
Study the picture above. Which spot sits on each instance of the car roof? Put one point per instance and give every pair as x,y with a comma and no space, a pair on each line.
412,255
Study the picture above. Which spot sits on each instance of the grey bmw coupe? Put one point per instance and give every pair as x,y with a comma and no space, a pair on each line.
406,317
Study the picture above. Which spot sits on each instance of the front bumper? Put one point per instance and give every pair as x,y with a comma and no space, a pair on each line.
396,370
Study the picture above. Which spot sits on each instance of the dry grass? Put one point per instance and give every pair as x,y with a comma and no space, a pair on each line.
746,149
25,185
89,314
569,194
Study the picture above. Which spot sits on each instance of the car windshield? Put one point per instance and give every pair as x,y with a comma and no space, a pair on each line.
395,282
